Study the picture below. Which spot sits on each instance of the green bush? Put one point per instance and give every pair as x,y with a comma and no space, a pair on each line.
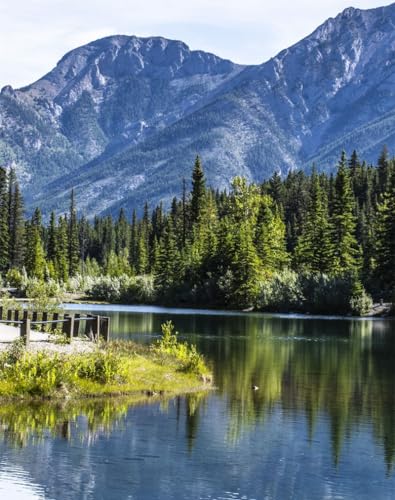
288,291
360,302
35,374
281,292
188,356
14,278
103,367
342,294
126,289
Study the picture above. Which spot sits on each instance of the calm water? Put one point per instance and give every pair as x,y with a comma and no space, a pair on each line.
321,425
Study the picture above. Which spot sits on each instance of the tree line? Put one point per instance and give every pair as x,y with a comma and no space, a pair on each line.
297,233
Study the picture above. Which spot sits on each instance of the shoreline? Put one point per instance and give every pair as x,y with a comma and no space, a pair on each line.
206,310
85,369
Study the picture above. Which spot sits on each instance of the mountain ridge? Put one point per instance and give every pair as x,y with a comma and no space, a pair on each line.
123,117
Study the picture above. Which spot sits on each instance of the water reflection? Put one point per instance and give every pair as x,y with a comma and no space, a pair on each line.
321,424
343,368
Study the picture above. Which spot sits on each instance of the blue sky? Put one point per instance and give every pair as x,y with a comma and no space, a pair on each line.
36,33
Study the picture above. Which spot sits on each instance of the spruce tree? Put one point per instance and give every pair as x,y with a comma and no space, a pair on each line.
133,249
51,240
34,254
270,236
17,226
198,191
169,266
73,241
4,225
122,233
346,254
62,250
313,251
386,241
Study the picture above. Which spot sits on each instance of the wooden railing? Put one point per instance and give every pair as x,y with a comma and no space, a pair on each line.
94,327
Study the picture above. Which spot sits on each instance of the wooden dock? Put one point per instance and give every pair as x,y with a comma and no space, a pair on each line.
72,325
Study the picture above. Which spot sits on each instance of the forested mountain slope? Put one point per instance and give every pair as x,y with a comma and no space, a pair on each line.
123,118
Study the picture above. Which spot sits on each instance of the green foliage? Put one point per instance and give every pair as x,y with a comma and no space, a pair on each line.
43,295
14,277
123,288
281,292
360,302
188,356
224,249
35,374
100,366
119,366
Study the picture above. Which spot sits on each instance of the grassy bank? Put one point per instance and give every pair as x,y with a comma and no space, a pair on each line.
116,368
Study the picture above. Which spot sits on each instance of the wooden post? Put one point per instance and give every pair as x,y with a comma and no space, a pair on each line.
55,319
89,326
76,325
45,326
25,315
68,326
25,331
96,328
105,328
16,318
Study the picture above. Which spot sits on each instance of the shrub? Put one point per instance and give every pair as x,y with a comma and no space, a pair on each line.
36,374
342,294
14,278
124,288
103,367
360,302
281,292
188,356
44,295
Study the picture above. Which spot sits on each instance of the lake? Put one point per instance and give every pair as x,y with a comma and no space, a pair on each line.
320,425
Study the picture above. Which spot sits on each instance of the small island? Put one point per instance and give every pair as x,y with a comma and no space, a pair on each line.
56,369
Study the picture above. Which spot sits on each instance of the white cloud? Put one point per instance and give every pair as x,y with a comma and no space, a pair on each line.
36,33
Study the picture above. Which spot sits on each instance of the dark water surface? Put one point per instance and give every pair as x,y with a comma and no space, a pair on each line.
321,425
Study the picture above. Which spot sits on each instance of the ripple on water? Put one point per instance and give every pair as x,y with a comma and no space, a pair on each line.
16,484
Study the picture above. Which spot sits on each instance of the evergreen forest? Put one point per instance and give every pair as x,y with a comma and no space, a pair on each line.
317,242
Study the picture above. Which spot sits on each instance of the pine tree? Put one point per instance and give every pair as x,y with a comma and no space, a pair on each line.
73,241
133,250
346,254
198,191
313,251
62,250
270,236
245,266
169,266
276,189
184,213
51,243
386,241
34,254
16,225
383,171
4,224
122,233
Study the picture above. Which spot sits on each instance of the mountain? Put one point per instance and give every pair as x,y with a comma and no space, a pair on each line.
121,119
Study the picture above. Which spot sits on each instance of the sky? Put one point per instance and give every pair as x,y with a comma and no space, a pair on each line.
35,34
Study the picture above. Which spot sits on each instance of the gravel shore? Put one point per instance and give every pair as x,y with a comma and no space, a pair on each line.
44,342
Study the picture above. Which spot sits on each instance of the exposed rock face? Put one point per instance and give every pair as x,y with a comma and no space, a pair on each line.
122,118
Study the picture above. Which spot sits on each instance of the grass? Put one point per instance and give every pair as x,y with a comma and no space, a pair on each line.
116,368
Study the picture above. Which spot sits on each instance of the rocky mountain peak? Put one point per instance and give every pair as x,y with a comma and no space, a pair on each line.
124,116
